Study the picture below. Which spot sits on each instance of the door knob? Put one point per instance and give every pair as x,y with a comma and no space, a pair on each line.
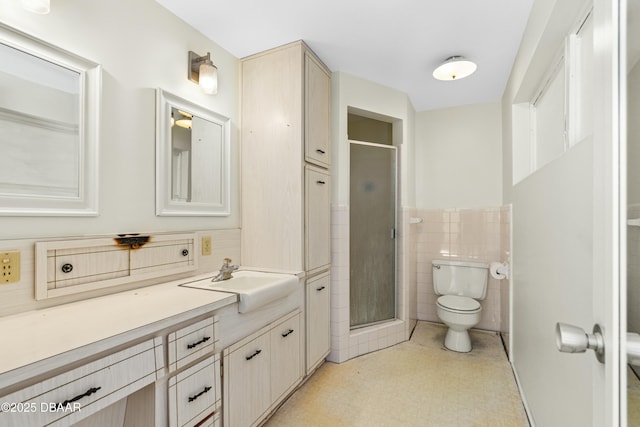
572,339
633,348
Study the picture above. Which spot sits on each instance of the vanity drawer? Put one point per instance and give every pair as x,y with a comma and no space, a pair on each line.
69,267
194,395
76,394
191,342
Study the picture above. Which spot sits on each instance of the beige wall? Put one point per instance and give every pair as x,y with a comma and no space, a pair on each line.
350,92
141,46
459,157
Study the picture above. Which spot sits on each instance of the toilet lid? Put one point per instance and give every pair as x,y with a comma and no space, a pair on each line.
456,302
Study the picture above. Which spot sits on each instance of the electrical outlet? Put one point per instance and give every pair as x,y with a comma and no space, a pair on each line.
9,267
206,245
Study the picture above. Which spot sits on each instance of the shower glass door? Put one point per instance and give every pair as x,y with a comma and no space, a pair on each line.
372,245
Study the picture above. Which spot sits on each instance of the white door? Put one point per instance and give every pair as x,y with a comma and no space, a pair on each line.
566,252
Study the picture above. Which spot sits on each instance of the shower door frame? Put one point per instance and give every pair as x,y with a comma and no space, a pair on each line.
396,203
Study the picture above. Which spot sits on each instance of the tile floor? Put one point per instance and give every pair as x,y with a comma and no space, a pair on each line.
415,383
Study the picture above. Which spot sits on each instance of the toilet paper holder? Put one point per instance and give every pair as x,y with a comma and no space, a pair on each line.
499,270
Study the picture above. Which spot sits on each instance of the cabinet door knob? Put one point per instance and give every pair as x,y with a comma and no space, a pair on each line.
67,268
206,389
80,396
195,344
257,352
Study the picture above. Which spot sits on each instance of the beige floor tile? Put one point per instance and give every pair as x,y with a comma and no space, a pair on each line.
415,383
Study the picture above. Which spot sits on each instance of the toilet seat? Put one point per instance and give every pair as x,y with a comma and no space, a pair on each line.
459,304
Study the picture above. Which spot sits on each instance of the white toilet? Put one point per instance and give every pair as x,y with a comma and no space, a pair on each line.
460,285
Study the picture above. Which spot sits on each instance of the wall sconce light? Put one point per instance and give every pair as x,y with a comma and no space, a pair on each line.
185,120
203,72
455,68
37,6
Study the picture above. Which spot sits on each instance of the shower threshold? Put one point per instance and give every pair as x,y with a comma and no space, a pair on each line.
367,325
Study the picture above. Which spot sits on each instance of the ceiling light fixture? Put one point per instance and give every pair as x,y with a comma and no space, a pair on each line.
455,68
203,72
37,6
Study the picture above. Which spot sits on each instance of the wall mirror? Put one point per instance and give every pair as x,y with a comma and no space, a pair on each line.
192,159
49,118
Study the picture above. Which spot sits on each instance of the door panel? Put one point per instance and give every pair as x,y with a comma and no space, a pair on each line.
372,225
566,250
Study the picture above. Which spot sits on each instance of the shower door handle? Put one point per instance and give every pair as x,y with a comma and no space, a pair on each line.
573,339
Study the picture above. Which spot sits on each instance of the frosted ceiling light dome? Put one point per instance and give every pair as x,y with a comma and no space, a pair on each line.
37,6
455,68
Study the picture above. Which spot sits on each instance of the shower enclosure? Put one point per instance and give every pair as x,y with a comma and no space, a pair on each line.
372,241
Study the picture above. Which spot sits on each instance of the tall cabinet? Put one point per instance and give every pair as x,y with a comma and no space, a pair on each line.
286,187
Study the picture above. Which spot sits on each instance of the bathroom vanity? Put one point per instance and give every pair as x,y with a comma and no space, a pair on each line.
114,353
153,356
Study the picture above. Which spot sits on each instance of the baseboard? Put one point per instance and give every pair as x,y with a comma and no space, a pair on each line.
522,396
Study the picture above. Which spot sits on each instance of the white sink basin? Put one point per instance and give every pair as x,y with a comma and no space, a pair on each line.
254,288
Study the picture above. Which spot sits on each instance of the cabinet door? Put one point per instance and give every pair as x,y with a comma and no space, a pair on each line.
286,363
318,312
318,198
272,152
317,113
248,377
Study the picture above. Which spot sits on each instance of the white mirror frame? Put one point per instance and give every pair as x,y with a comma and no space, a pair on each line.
86,204
165,205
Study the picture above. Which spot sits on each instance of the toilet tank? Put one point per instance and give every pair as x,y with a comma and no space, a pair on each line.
464,278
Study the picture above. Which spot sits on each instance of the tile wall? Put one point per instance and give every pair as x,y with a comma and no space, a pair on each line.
472,234
463,234
347,344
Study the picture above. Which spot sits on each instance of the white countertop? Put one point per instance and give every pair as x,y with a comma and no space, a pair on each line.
36,341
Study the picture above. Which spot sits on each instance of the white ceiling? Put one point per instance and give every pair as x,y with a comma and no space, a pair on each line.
395,43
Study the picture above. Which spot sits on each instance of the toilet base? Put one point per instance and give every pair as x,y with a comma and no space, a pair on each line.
457,341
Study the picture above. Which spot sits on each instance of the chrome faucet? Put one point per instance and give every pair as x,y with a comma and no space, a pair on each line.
225,271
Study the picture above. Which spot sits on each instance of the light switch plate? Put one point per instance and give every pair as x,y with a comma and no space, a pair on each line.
9,267
206,245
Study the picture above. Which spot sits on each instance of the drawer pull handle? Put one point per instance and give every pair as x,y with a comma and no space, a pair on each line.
289,332
320,151
80,396
195,344
185,252
206,389
320,182
67,268
321,288
257,352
